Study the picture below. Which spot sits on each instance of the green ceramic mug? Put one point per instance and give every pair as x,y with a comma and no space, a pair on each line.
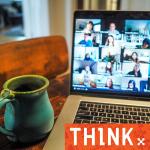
28,115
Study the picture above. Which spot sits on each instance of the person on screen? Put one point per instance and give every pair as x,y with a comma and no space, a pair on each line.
134,57
146,43
112,31
86,76
131,56
87,57
95,44
89,28
110,47
143,86
136,71
110,53
109,64
87,41
110,41
132,86
109,83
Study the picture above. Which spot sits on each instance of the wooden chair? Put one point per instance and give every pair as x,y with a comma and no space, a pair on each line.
47,56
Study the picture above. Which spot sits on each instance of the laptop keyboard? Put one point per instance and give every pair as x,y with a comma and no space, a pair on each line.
89,112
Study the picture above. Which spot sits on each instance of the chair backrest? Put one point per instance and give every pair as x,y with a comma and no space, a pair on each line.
47,56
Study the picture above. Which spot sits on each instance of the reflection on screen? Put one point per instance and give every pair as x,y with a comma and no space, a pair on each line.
112,56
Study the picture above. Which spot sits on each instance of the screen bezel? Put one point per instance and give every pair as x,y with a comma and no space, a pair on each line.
142,15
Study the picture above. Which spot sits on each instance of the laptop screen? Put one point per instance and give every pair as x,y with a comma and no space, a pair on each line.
111,52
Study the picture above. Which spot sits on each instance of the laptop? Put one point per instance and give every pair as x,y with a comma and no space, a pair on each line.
110,71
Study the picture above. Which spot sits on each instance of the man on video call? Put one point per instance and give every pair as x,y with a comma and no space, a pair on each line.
112,31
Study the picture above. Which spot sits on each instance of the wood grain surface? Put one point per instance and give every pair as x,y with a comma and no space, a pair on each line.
47,56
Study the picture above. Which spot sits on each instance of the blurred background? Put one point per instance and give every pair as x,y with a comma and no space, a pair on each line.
22,19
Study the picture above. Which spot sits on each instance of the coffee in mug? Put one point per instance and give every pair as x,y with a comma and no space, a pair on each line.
29,115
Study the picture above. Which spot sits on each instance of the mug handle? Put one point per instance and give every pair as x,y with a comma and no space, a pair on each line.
5,94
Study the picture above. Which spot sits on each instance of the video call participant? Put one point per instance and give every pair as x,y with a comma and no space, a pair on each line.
136,71
110,53
109,63
111,48
112,31
134,57
87,57
89,28
110,41
132,86
146,43
87,41
109,83
95,44
143,86
86,76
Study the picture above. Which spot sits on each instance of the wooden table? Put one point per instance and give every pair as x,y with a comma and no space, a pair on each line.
58,92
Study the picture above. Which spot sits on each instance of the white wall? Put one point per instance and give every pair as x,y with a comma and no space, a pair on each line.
49,17
135,5
61,17
36,18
